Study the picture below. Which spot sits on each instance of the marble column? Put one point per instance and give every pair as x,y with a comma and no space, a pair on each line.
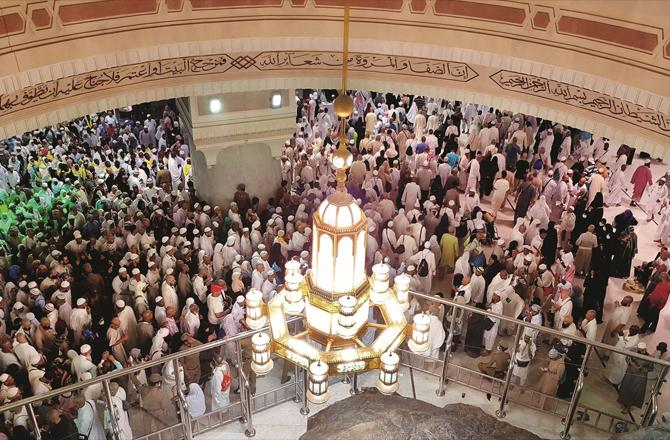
237,139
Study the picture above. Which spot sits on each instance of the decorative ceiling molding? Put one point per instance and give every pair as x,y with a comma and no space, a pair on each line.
67,90
584,99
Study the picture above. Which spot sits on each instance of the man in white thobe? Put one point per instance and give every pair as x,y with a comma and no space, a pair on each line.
491,334
653,198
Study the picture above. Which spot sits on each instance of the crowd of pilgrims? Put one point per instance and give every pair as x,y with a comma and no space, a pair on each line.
109,257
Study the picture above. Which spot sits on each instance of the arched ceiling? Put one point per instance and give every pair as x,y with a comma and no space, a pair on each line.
600,65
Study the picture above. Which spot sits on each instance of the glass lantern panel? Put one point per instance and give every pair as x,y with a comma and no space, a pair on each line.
324,267
344,265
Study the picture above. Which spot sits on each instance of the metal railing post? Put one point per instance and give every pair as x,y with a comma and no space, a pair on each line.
500,412
187,427
240,380
113,420
33,420
304,410
250,431
447,351
565,434
651,410
354,385
296,373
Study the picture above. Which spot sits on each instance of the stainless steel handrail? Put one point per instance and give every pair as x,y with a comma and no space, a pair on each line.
235,339
542,329
136,368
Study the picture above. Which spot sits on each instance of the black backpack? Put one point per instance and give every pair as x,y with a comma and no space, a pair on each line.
422,270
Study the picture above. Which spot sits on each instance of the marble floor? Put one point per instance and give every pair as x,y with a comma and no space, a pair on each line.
285,421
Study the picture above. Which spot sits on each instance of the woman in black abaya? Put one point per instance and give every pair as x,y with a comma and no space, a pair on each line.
623,260
550,244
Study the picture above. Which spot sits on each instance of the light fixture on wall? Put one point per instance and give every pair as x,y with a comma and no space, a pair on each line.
275,101
215,105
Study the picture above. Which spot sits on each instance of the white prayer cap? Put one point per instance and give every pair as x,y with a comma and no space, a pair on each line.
562,158
174,230
55,253
375,173
564,285
170,271
641,346
432,198
120,304
542,267
81,301
159,299
425,163
151,264
240,299
647,161
351,142
60,296
263,253
238,258
304,254
85,349
287,143
182,231
410,268
136,271
77,234
123,270
256,224
196,205
49,307
501,242
65,284
4,377
230,241
281,233
391,224
169,248
12,392
196,232
164,240
163,332
207,208
536,308
553,353
269,272
426,245
271,222
528,258
208,229
32,285
22,284
35,292
18,305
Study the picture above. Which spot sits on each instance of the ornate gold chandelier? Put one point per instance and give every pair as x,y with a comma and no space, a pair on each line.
336,297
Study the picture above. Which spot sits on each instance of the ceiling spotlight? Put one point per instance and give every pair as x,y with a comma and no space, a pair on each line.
276,100
215,105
